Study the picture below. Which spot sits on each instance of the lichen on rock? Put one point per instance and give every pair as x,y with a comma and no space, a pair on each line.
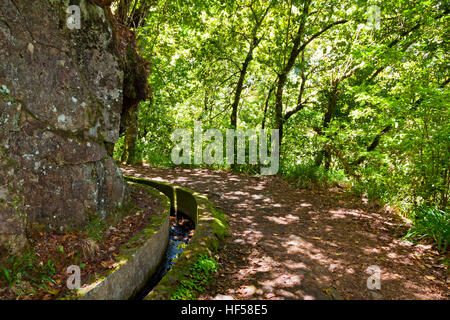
60,106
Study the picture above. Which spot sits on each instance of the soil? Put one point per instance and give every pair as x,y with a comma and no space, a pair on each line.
291,243
55,252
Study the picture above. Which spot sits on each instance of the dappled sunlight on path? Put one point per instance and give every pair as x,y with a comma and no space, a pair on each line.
288,243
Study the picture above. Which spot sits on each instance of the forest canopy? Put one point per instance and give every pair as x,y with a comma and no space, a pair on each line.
358,89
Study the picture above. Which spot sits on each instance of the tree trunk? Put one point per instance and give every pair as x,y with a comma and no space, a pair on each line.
266,107
237,97
282,77
243,72
239,86
324,154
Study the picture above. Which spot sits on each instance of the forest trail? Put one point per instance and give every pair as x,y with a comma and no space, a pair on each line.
289,243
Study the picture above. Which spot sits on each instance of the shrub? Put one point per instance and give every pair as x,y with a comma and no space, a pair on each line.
307,174
430,223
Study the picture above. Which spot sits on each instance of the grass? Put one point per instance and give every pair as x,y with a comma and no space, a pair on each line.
308,175
198,278
430,224
95,228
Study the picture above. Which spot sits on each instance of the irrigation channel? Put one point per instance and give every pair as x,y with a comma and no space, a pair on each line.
181,232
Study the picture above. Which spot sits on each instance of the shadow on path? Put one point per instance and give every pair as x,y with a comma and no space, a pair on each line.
288,243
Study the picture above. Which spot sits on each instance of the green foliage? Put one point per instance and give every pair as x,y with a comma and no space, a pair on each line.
377,97
196,281
308,174
95,228
375,190
118,148
431,224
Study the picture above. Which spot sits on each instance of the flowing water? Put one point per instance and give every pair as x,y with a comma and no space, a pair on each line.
181,232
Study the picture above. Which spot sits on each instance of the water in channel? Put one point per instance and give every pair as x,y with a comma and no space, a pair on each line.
181,232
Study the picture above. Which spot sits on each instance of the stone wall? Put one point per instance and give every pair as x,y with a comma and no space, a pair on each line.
60,105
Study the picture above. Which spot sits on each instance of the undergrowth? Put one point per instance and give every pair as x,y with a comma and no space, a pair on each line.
308,175
198,278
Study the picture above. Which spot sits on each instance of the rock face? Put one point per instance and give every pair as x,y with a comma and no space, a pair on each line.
60,105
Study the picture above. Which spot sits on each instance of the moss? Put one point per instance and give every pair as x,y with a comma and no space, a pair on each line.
132,246
17,203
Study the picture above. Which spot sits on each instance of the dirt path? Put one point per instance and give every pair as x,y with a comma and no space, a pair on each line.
288,243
